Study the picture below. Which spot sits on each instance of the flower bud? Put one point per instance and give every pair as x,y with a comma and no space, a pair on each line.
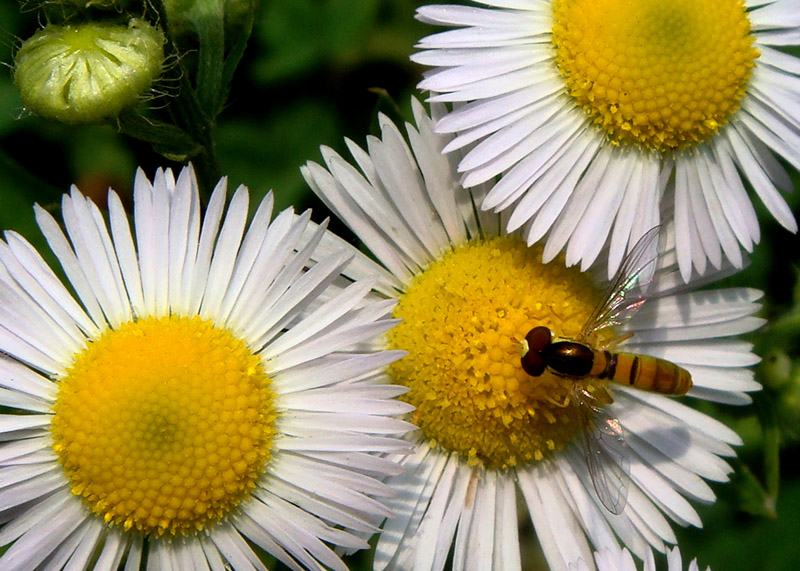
776,367
89,72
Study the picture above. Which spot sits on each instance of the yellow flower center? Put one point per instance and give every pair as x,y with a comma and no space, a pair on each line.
164,425
463,320
662,74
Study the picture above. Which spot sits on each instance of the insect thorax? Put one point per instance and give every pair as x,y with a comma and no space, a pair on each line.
569,358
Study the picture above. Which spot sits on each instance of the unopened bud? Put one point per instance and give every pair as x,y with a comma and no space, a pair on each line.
89,72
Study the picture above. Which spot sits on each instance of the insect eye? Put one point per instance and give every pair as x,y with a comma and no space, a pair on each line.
538,338
533,363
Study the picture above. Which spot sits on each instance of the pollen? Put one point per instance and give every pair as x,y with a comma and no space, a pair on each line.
660,74
464,320
164,425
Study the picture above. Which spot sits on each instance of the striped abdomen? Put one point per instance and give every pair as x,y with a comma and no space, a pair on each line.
641,371
573,359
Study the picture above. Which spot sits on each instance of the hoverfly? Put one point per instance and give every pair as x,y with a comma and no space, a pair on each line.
602,438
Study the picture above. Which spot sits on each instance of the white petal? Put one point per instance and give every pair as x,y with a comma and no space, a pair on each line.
558,530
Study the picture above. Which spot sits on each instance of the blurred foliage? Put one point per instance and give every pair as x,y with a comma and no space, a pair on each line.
305,80
316,71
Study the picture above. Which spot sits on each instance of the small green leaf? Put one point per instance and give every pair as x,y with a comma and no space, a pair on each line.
752,497
166,139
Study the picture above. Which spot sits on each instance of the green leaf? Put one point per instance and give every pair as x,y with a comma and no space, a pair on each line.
208,17
166,139
751,495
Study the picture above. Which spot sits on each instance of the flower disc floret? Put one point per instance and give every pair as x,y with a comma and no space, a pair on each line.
464,318
164,425
662,74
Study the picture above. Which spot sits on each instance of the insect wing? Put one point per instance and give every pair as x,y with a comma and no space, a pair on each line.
606,452
630,287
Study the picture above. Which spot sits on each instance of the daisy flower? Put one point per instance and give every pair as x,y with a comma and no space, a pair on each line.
208,390
622,561
468,293
600,114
